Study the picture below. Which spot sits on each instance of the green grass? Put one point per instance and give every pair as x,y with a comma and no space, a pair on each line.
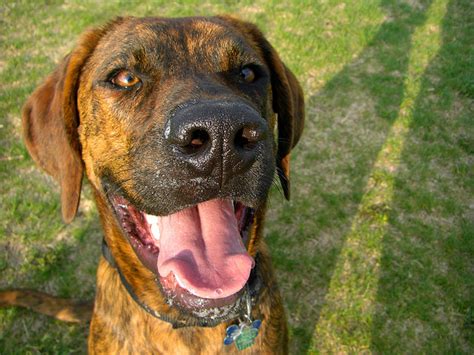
375,252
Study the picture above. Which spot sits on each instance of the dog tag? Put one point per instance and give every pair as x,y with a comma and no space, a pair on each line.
243,334
246,337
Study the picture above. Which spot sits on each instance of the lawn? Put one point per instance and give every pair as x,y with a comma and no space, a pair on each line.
375,251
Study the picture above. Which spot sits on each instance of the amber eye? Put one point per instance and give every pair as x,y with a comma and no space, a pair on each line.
125,79
247,74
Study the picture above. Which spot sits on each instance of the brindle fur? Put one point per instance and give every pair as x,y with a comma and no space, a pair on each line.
72,124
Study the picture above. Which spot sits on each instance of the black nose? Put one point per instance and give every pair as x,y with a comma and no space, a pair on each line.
216,137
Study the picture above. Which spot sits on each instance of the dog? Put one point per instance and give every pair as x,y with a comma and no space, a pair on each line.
181,126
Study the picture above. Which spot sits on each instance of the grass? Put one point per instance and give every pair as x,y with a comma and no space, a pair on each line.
375,252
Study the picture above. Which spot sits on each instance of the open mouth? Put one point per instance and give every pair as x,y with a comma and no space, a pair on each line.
198,253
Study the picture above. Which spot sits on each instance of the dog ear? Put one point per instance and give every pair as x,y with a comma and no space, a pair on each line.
288,103
288,98
50,122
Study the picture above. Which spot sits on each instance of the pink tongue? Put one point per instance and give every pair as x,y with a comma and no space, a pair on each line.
202,247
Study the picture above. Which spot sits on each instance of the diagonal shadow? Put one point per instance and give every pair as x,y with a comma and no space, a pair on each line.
427,298
347,124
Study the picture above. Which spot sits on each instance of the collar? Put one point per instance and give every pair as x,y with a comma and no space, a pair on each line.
252,288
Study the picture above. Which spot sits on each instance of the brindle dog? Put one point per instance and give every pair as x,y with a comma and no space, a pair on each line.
174,122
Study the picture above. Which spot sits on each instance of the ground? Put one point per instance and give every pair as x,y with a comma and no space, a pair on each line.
375,251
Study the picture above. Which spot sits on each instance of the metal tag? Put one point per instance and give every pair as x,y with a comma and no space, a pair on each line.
245,333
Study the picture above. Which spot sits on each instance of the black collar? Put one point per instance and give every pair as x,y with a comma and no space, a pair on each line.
254,286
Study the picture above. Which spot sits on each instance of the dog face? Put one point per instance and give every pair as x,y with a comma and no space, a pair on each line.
188,104
173,121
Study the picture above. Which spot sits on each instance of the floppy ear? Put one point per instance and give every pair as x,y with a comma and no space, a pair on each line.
288,103
50,121
288,99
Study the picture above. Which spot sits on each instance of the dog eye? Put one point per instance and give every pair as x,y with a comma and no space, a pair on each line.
247,74
125,79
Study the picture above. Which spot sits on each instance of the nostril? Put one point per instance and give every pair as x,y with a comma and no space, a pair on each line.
247,138
198,141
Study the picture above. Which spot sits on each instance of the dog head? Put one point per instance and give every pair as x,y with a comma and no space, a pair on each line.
173,121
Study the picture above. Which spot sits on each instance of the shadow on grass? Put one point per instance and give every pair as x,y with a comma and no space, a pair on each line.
347,124
426,289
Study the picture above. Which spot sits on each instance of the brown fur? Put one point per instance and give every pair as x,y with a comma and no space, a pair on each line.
71,126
